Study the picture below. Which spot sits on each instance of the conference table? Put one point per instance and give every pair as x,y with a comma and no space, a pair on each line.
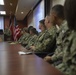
11,63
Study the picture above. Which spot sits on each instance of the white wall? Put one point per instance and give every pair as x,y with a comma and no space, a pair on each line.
2,22
30,20
58,2
38,15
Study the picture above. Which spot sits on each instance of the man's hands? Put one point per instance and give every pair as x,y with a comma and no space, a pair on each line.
47,58
32,47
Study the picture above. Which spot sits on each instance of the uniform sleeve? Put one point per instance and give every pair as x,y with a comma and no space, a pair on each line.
57,55
42,46
20,38
71,60
69,56
48,39
31,41
26,39
58,52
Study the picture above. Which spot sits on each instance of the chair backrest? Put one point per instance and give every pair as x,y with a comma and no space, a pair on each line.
1,34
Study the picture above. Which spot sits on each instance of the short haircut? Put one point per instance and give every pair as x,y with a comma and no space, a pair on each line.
59,9
43,22
29,28
70,13
48,17
34,31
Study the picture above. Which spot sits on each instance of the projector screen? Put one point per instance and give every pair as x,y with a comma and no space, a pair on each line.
38,15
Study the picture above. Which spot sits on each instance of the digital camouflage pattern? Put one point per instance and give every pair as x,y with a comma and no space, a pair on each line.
45,41
31,41
68,65
7,32
60,34
23,38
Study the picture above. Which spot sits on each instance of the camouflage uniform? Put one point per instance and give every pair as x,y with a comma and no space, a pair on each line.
69,54
45,40
61,32
39,38
23,37
31,41
26,40
20,39
7,32
68,66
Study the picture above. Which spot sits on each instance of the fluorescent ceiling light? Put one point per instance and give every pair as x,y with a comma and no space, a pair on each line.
22,12
10,4
2,12
1,2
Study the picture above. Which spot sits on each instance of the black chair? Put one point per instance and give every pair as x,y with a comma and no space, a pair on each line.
1,34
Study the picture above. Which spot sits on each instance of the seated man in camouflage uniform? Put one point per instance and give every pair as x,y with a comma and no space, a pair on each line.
7,31
42,27
69,41
26,40
34,34
25,35
46,40
31,38
7,34
57,16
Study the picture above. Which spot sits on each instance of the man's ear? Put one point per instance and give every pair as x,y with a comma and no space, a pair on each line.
48,21
55,16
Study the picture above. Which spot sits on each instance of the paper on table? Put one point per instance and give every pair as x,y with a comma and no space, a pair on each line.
13,43
22,53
